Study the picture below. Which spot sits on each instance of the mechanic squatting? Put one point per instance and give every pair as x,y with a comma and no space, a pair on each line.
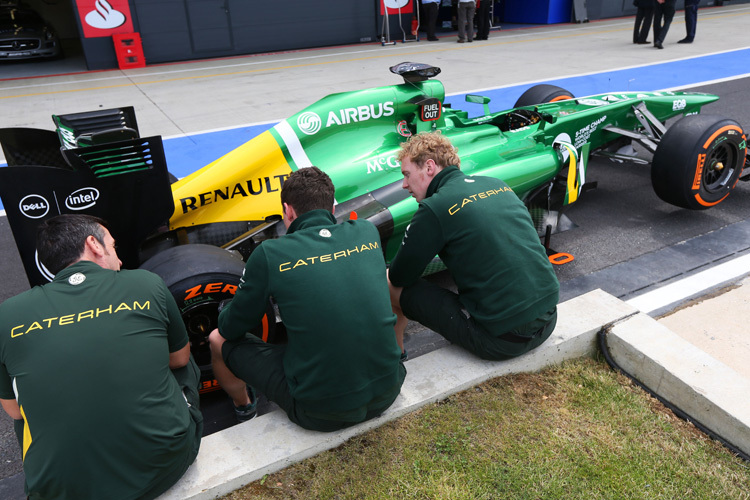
70,319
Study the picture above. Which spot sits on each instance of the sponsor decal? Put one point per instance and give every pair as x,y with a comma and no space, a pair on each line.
77,279
699,171
82,199
325,233
679,104
592,102
209,385
359,114
383,163
104,18
329,257
309,123
403,129
34,206
252,187
41,325
517,130
583,135
396,7
430,111
453,210
218,287
43,270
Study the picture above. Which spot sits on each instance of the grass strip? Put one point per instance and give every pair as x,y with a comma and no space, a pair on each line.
575,431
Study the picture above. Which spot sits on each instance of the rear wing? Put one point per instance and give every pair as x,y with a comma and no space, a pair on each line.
96,127
124,182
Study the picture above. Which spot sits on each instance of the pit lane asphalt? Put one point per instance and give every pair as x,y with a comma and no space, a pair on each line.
622,220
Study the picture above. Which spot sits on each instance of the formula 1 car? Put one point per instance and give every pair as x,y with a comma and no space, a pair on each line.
196,232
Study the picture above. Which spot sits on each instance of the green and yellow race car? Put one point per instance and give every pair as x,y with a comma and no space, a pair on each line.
196,232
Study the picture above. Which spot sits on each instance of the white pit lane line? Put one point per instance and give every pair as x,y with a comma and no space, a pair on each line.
692,285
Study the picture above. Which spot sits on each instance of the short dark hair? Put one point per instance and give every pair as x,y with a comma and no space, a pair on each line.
60,240
308,189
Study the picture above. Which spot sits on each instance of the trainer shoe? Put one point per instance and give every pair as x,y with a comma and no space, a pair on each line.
248,411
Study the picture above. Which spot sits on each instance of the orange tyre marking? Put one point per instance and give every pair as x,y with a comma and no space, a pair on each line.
707,204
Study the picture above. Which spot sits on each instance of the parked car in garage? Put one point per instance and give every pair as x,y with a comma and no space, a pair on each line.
25,35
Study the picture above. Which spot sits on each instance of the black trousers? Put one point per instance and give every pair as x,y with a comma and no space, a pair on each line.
691,19
483,19
663,14
431,13
642,24
440,310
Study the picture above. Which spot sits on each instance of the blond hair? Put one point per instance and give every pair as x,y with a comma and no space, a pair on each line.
429,146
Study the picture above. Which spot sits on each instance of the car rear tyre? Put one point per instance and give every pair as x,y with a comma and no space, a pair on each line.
199,278
698,161
541,94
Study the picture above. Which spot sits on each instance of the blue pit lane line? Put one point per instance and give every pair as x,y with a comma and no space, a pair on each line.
186,154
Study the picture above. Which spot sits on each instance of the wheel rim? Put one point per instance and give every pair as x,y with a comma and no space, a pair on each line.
719,167
200,320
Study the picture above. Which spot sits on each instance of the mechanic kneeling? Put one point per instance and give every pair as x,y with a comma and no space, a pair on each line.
507,290
341,365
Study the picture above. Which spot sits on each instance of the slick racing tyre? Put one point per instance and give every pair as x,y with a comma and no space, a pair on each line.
541,94
199,278
698,161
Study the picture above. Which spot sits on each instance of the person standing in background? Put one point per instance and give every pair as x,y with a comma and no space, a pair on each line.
431,13
663,14
466,9
691,20
643,21
483,19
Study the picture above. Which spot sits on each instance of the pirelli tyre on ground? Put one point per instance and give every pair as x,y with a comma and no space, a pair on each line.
200,277
698,161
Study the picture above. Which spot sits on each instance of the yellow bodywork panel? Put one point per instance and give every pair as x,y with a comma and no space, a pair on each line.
244,184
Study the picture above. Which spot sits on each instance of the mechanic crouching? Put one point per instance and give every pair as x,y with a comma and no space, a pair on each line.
95,368
341,365
507,290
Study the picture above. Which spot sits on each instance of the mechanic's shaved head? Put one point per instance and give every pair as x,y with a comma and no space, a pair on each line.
308,189
429,146
60,241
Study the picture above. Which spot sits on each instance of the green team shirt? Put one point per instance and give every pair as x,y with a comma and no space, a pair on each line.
87,358
484,235
330,286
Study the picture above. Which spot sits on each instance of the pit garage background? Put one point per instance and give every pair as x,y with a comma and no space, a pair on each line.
177,30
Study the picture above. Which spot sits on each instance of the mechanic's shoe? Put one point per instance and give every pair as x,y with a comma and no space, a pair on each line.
469,40
248,411
460,40
433,39
645,42
658,45
686,40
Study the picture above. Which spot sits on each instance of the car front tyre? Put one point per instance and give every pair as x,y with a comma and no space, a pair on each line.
698,161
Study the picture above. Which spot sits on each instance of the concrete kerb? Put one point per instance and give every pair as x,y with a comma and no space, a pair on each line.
705,389
246,452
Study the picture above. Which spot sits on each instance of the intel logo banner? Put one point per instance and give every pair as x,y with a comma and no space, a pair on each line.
82,199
